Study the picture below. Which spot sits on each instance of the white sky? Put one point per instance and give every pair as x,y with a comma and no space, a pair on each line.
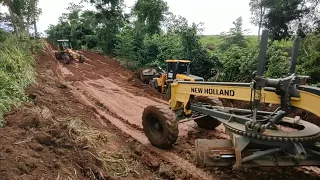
217,15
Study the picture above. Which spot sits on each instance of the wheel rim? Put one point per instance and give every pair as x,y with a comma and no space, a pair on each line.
156,127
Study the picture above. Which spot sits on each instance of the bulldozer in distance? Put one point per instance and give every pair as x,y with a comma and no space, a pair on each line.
257,138
66,53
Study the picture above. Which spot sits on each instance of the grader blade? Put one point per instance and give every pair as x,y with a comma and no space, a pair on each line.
214,152
247,152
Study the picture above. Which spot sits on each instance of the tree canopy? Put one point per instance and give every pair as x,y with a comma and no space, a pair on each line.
23,14
149,34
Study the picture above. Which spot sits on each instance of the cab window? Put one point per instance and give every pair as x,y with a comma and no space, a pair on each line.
171,67
182,68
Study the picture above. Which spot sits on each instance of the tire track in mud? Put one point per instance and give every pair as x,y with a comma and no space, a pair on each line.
109,93
140,137
112,103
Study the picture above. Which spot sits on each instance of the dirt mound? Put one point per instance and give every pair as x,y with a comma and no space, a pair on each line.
42,150
146,89
36,143
57,137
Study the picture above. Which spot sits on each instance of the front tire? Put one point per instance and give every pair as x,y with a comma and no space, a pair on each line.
66,59
160,126
81,59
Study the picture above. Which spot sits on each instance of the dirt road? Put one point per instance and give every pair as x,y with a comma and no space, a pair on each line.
119,98
108,99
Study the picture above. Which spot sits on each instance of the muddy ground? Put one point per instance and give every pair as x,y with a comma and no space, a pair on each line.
84,122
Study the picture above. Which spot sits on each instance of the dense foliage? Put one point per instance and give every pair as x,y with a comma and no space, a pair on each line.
22,17
285,18
138,39
16,69
150,34
16,51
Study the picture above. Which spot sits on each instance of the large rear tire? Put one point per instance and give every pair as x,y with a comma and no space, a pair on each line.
160,126
208,122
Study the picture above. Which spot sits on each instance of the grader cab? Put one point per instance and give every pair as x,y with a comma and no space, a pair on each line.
66,53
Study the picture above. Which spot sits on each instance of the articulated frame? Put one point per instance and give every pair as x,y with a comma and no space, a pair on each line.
255,138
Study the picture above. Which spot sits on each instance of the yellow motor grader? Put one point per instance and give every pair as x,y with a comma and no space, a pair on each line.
257,138
66,53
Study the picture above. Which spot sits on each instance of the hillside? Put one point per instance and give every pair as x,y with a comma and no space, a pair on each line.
212,42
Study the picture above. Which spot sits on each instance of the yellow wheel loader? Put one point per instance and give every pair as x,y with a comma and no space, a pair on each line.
66,54
159,79
257,137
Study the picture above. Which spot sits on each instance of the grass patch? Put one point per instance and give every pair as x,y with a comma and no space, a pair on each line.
114,164
16,70
79,132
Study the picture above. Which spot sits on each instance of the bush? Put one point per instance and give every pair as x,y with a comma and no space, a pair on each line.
309,59
16,71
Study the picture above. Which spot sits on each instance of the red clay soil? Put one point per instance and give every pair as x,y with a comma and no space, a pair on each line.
113,96
39,140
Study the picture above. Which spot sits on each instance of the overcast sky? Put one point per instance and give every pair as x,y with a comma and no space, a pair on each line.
217,15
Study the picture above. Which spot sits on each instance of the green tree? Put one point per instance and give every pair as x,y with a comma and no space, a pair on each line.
22,14
111,17
235,36
309,59
150,13
78,26
31,15
281,16
173,23
257,11
202,62
125,48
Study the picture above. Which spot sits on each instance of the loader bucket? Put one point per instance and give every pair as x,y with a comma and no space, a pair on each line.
145,75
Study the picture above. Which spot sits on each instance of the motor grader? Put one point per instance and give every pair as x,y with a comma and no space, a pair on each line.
66,53
257,137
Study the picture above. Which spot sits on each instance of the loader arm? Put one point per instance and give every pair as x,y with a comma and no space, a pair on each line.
181,91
